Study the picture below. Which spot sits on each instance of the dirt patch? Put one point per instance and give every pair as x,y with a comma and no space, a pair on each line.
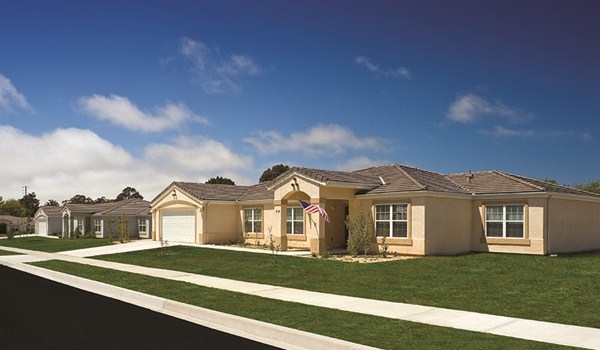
369,258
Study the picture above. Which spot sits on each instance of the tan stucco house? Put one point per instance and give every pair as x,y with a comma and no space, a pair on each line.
98,219
418,212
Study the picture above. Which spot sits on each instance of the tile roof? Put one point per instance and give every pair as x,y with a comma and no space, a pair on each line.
212,191
51,210
133,206
392,178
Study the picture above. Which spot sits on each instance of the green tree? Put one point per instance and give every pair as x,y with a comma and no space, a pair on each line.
128,193
593,186
31,203
220,180
273,172
79,199
13,207
102,200
52,202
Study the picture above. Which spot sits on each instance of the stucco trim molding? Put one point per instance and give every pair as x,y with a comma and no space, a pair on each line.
508,241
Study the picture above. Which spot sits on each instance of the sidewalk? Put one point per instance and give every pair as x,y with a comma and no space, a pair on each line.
584,337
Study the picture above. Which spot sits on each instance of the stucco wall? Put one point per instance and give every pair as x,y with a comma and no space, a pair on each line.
221,223
532,243
447,225
573,225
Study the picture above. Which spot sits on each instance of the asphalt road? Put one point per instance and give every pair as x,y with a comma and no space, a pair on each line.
36,313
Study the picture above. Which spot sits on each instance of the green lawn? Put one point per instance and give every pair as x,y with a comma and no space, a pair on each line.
560,289
52,245
4,252
370,330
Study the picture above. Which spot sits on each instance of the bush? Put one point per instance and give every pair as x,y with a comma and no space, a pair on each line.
359,229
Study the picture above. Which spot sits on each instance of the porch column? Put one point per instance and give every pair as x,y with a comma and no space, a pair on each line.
318,243
279,224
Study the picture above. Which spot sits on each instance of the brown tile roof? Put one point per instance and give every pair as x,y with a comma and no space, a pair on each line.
257,192
51,210
322,175
134,207
88,208
212,191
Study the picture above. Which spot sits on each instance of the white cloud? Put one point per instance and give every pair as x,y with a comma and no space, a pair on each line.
65,162
9,96
318,140
400,72
470,108
120,111
500,131
215,73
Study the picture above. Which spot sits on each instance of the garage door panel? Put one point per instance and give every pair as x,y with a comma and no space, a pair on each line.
179,226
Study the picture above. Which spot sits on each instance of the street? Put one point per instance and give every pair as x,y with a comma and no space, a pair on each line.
36,313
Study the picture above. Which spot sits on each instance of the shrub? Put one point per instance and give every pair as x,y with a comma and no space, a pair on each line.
359,229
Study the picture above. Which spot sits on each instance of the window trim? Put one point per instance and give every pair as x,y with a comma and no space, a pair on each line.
145,224
293,221
504,221
253,221
391,220
98,223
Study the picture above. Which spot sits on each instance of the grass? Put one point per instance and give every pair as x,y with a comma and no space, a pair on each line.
370,330
4,252
560,289
52,245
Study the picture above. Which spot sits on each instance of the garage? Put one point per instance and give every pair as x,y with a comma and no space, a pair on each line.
178,226
42,228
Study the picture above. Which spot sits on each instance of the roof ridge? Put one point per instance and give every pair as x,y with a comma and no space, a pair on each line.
420,185
515,178
447,177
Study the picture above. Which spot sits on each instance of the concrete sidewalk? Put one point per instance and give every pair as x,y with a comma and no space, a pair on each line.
584,337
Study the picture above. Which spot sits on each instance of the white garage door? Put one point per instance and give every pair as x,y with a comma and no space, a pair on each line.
179,226
42,227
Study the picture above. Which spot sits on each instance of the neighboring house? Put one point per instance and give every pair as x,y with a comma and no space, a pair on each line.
10,223
48,221
104,219
418,212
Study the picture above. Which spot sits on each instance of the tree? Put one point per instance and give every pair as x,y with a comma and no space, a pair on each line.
273,172
128,193
220,180
52,202
102,200
79,199
13,207
593,186
31,203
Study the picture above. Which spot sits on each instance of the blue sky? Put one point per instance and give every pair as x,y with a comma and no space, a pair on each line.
99,95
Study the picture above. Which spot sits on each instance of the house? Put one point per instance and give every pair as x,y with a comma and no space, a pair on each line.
48,221
9,223
419,212
100,220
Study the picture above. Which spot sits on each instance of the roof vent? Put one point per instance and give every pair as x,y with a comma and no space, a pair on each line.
382,181
470,176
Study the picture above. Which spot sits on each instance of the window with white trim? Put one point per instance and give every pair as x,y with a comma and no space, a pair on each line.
97,225
253,220
142,225
79,224
295,221
391,220
505,221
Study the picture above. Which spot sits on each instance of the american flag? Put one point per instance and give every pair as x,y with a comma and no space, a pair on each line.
311,208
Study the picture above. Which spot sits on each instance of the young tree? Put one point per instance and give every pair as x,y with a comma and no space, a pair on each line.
273,172
128,193
359,228
220,180
593,186
31,203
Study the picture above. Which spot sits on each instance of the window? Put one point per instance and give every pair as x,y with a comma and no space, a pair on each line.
504,221
391,220
295,221
98,225
253,220
142,224
79,225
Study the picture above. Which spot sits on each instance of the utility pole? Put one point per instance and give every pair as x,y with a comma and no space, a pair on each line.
25,190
